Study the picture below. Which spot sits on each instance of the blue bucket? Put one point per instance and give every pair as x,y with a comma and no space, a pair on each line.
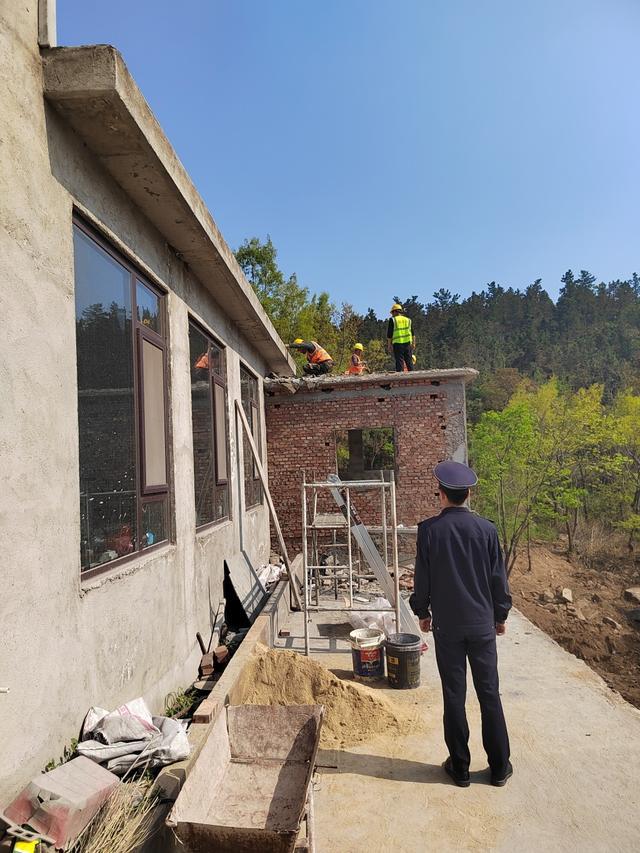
367,654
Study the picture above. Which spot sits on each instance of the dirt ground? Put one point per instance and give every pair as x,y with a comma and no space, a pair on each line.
598,593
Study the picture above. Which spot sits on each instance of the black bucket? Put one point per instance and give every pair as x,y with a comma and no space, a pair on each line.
403,660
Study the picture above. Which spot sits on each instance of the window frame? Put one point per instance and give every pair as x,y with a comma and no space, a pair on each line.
254,412
367,473
157,493
221,380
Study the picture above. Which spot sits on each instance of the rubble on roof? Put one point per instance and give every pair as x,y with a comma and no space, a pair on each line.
285,384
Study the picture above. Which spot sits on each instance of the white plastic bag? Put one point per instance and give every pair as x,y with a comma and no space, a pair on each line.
130,735
101,752
376,619
269,574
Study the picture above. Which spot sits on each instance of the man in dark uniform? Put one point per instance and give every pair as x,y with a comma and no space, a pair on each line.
461,579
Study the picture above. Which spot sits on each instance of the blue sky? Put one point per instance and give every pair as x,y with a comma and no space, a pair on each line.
399,147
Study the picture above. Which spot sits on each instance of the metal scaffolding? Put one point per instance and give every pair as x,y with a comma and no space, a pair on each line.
342,527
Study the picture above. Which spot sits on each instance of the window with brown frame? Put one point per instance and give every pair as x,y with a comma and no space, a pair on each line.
210,424
250,399
122,404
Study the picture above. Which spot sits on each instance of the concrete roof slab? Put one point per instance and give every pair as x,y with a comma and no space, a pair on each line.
344,382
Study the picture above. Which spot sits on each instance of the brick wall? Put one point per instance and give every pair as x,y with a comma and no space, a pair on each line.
301,431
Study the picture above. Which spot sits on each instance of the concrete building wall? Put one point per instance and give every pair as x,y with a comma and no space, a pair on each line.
68,644
428,418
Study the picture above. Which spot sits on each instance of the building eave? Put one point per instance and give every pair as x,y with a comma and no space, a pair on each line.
91,88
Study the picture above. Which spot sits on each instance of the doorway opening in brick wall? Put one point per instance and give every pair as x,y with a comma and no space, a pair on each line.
363,453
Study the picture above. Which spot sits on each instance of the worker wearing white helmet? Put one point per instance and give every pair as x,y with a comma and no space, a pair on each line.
400,338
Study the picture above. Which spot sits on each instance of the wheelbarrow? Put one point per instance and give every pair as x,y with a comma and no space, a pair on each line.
250,786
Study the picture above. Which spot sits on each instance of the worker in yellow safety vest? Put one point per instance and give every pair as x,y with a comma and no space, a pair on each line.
357,364
318,359
400,339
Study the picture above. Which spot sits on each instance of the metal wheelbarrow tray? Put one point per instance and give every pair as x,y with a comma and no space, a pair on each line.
248,788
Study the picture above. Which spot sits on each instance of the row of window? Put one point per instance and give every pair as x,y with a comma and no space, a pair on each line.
121,341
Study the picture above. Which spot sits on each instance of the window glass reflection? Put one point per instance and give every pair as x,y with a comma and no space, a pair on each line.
106,423
148,307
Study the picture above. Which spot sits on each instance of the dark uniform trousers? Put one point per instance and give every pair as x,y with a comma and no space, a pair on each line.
451,655
403,355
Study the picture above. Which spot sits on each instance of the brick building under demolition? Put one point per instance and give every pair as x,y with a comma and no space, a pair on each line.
359,426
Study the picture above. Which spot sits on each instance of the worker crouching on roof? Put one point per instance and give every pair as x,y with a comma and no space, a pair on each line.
318,359
357,364
400,339
460,578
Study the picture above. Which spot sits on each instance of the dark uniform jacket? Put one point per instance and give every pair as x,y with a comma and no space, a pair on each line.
460,574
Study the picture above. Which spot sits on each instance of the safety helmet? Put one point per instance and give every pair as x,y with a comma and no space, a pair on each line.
413,358
298,341
396,307
358,347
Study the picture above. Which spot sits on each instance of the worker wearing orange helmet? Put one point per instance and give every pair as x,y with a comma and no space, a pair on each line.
400,338
319,361
357,364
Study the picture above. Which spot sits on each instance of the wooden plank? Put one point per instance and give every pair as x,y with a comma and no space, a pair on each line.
293,579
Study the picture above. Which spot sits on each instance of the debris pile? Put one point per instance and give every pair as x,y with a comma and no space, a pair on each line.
353,713
586,610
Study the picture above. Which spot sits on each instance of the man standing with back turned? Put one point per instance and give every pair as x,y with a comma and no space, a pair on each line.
400,338
460,577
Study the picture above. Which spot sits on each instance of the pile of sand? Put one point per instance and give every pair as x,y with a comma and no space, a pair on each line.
353,713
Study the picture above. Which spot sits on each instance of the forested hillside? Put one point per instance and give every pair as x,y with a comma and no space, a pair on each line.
555,413
591,334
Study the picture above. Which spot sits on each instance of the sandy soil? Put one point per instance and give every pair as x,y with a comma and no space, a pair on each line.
613,652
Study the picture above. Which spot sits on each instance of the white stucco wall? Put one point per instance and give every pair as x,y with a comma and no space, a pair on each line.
66,644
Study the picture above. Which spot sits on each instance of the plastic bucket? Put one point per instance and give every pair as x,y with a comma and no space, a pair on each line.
403,660
367,654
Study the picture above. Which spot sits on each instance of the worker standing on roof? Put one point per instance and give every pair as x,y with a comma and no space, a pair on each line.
318,360
357,364
461,579
400,338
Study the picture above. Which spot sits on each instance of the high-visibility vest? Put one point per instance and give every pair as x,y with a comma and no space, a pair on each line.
318,355
356,367
401,330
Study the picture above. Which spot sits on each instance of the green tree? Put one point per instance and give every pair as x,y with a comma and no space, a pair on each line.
291,308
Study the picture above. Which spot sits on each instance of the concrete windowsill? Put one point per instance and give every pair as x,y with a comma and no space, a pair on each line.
253,509
123,570
213,528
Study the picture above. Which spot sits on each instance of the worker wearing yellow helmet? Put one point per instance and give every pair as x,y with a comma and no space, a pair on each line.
318,359
400,338
357,364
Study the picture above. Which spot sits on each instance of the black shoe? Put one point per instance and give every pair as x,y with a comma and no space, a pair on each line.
461,779
499,781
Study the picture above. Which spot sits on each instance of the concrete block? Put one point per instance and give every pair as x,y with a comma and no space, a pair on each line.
59,804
